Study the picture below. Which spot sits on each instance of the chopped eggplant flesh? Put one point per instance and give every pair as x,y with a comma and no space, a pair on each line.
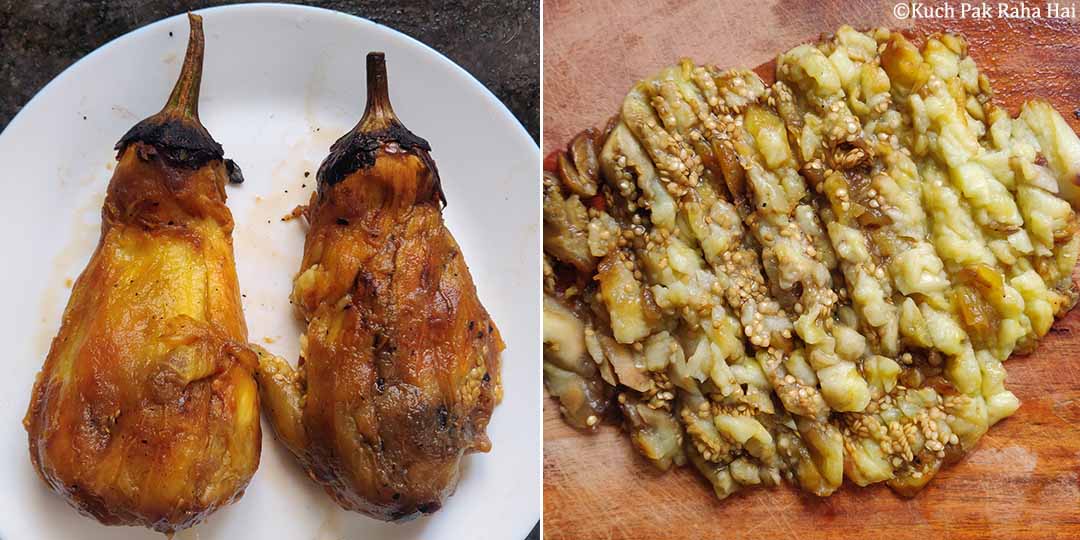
814,279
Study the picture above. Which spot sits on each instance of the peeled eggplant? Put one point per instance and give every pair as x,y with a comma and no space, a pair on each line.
146,409
399,367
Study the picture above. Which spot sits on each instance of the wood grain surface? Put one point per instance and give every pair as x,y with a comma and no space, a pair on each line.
1023,481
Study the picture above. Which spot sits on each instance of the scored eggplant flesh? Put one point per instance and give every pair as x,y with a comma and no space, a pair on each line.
819,278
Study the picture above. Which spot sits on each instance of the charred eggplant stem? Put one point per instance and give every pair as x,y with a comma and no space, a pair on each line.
176,131
378,127
146,410
399,368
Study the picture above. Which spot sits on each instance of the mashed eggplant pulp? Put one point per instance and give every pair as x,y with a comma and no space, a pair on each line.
812,280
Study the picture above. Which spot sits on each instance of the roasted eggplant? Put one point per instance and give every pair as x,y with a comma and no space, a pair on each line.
146,410
399,368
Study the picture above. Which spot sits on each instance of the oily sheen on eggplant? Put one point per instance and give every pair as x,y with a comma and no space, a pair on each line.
399,367
146,409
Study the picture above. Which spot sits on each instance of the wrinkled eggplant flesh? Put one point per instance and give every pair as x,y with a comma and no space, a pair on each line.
400,364
146,411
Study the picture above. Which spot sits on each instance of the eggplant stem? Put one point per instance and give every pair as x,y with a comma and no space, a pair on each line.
176,129
184,100
378,114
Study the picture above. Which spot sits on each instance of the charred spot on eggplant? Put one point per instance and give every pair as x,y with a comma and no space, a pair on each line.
236,176
378,127
182,144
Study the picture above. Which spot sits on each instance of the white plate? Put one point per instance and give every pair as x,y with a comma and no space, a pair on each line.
281,83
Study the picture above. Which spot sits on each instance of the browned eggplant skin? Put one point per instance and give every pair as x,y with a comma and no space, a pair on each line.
146,409
400,370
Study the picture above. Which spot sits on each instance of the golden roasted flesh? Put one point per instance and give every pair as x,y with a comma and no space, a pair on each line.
146,410
813,280
399,368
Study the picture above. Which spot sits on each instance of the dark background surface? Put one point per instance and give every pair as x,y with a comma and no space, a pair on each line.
497,41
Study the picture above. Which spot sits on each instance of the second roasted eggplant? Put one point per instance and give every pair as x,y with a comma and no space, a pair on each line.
399,368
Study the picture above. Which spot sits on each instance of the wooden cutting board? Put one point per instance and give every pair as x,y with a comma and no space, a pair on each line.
1023,481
